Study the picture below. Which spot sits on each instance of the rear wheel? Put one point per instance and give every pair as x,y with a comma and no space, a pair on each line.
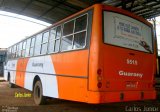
39,99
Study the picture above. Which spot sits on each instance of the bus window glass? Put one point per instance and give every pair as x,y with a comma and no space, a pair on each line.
79,40
53,34
14,51
57,43
124,31
27,47
24,49
52,40
81,23
80,32
51,46
68,28
66,43
44,48
10,50
9,53
45,37
33,42
58,34
31,51
38,44
57,40
45,42
17,52
20,49
32,46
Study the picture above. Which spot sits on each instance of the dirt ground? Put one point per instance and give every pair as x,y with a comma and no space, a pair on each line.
8,103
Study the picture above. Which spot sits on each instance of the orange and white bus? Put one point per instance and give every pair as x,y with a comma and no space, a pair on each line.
99,55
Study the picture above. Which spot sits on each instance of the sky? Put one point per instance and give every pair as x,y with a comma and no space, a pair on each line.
13,30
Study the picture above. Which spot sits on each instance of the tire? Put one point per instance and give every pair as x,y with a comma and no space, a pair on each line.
39,99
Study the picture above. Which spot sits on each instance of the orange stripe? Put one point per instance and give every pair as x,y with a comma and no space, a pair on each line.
20,74
71,64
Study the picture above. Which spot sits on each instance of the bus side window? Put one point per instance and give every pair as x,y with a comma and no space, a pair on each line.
52,40
38,44
24,49
17,50
9,53
80,32
57,39
67,37
14,51
44,42
20,50
32,46
28,47
81,23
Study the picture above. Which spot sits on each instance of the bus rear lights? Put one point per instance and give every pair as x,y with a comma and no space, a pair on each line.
99,78
99,84
99,75
99,71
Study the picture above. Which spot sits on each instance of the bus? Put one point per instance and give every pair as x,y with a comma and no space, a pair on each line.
101,54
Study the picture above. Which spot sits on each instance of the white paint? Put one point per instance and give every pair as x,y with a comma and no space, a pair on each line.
124,31
42,66
127,29
28,82
130,74
51,87
11,67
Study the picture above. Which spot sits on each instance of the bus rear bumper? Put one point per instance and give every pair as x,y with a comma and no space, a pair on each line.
108,97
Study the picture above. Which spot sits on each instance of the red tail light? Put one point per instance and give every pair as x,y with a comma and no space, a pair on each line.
99,84
99,71
99,78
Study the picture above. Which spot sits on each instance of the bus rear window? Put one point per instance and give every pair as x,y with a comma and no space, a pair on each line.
124,31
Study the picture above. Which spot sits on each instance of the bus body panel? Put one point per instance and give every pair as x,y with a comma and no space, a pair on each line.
89,75
20,74
135,72
111,60
115,96
72,72
58,73
43,68
71,63
96,39
11,68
